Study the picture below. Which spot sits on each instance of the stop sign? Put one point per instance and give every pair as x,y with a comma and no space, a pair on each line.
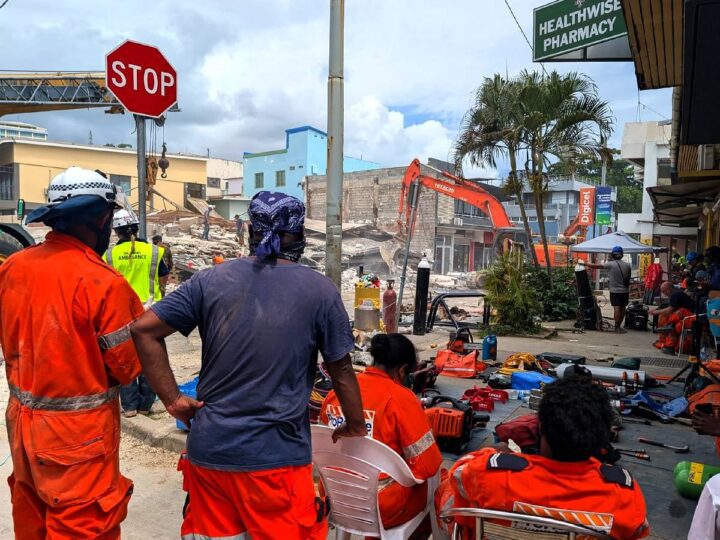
141,78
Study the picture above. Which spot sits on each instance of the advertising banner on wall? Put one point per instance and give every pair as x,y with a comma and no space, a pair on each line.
587,206
603,212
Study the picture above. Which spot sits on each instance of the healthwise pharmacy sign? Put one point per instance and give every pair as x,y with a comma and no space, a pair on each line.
570,25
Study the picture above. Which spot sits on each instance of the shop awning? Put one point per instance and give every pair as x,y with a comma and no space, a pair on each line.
655,32
679,216
688,194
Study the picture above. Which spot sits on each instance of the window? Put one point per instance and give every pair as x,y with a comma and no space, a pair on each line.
292,167
279,178
259,180
6,183
213,182
121,181
196,191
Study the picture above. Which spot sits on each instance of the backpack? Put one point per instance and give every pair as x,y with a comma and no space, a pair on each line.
709,394
524,430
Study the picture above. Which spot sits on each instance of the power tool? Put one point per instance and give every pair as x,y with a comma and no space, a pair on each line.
452,422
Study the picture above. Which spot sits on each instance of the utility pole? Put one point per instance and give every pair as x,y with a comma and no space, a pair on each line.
333,220
142,180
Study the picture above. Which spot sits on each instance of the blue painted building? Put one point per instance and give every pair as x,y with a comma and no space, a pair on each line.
305,154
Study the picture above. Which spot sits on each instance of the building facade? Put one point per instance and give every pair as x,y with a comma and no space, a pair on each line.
304,155
647,146
455,236
27,166
220,174
11,130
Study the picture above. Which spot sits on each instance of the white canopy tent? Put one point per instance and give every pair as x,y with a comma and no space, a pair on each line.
605,243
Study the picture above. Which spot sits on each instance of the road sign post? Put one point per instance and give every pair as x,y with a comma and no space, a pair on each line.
145,83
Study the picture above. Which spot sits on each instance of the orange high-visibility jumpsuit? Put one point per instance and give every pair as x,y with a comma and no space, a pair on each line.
589,493
393,416
64,317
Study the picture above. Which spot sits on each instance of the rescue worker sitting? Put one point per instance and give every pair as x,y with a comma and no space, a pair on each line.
564,482
394,417
143,266
671,318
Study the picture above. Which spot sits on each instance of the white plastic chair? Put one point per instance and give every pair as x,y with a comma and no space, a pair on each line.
349,471
545,528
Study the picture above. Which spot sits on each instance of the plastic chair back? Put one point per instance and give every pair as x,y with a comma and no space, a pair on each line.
536,527
349,471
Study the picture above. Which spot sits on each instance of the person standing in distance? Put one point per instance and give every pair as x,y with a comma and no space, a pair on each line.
143,267
262,321
619,272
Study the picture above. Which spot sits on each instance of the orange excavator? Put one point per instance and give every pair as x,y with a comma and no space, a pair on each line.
507,237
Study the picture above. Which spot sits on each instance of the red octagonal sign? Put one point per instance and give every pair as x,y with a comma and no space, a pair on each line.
141,78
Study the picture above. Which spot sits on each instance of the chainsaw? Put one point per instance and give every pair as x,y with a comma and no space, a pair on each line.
452,422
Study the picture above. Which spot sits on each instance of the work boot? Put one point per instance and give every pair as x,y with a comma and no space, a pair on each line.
130,414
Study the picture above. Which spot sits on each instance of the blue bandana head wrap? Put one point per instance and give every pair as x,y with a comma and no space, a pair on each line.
271,213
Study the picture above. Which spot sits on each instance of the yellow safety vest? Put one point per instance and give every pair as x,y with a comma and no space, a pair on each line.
140,269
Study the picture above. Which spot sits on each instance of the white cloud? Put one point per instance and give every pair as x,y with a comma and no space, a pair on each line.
249,70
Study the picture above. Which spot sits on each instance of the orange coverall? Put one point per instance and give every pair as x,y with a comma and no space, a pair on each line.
64,317
604,497
394,417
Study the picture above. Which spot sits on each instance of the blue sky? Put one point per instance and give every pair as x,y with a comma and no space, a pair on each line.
248,70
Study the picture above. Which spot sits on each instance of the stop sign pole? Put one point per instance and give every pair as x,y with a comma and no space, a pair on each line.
145,83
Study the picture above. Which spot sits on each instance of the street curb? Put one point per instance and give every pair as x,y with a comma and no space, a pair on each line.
161,433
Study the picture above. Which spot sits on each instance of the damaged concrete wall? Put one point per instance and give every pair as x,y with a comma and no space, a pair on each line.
373,197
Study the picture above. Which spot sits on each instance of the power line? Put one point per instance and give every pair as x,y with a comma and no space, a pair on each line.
532,50
3,4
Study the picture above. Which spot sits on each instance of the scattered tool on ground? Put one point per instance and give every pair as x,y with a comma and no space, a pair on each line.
636,453
636,421
678,449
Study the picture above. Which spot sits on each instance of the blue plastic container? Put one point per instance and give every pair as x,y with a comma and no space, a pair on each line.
529,380
190,389
489,347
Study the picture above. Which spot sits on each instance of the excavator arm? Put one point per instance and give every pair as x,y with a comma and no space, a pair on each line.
458,189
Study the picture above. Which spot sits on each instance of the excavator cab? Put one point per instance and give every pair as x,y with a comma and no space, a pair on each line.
510,240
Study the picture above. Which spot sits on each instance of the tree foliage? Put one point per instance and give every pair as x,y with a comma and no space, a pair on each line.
620,174
535,119
516,306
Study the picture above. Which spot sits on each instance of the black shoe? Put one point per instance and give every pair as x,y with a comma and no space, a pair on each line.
667,350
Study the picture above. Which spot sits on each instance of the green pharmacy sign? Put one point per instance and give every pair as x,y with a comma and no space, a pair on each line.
569,25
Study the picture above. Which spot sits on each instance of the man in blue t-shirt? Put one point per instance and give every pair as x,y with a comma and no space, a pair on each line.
262,321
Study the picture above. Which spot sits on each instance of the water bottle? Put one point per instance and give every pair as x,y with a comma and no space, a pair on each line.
489,348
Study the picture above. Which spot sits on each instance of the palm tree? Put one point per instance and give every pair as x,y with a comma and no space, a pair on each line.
564,118
493,129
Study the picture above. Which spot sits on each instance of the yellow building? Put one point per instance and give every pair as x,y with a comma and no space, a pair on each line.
27,166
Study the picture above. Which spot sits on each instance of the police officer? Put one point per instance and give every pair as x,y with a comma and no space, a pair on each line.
142,265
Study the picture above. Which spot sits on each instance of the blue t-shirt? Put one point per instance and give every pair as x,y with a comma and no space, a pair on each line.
262,325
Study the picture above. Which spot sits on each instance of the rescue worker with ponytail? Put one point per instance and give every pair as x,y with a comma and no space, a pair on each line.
142,265
64,332
394,416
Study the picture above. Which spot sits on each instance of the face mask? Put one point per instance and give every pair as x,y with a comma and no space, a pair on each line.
103,237
292,252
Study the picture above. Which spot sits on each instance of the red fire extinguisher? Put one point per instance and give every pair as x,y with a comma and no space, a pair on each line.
390,307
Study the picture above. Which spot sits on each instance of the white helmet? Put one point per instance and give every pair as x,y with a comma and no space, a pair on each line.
123,218
76,181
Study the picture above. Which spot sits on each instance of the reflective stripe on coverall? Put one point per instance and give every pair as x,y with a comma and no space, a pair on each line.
577,492
64,333
394,417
